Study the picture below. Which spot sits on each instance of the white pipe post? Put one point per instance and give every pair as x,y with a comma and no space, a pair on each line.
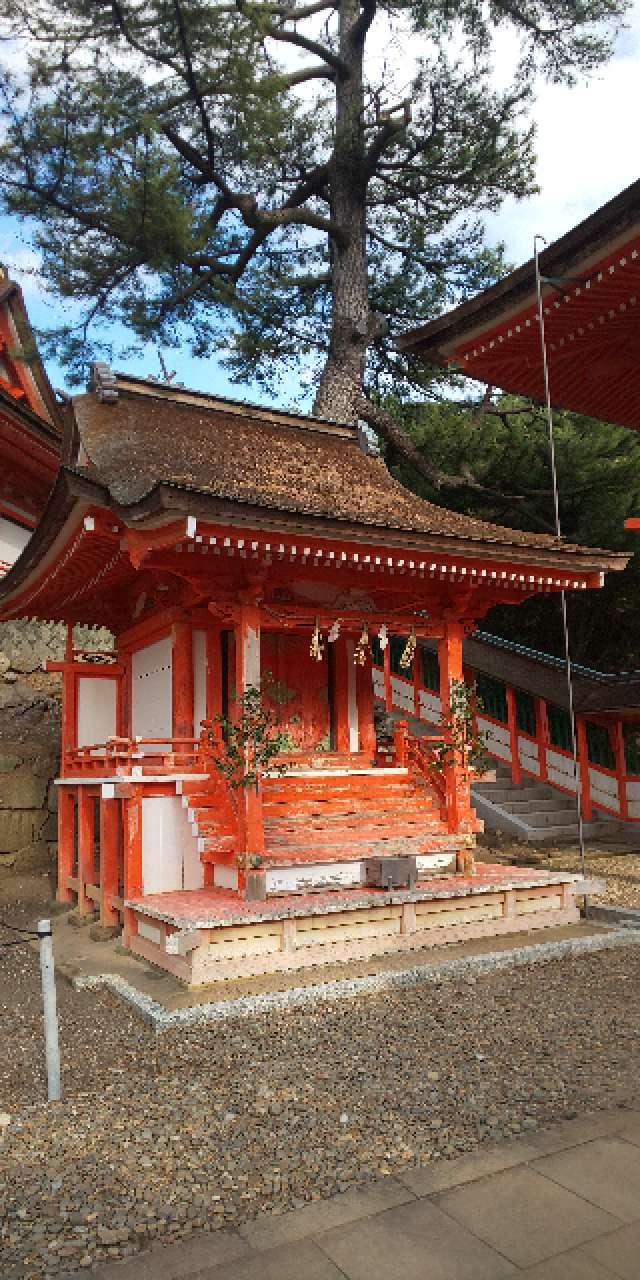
52,1048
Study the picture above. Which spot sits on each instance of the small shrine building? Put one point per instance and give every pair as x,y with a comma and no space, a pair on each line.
226,546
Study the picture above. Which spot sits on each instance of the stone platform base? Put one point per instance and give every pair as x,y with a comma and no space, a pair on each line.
208,935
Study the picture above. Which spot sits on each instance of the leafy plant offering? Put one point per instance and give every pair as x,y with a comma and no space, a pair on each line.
251,742
463,741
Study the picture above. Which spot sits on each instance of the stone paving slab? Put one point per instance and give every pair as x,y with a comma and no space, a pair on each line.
207,1250
569,1266
267,1232
524,1216
605,1172
619,1251
415,1242
446,1174
302,1261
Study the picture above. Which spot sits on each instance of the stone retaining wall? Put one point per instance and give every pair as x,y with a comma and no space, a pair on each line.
29,738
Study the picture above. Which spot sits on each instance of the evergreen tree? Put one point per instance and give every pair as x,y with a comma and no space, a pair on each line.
501,449
190,160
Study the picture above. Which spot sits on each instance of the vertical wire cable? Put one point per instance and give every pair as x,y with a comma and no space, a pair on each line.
563,594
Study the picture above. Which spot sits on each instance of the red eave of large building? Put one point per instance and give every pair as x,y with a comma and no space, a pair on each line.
591,297
30,417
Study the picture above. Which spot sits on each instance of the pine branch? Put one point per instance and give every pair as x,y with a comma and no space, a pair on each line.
383,138
333,60
388,428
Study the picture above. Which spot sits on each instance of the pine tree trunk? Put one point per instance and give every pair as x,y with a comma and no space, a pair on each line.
343,375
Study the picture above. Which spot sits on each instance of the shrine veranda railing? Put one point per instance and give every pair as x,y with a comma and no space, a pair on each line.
614,791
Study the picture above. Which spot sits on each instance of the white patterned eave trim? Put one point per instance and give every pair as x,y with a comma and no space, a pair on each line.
469,967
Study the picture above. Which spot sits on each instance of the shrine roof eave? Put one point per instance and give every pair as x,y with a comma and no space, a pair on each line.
75,494
173,497
70,493
614,222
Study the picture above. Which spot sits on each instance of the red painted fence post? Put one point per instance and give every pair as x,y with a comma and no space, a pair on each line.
542,737
512,721
621,767
583,762
400,743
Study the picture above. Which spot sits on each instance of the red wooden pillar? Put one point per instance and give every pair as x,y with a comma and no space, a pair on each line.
247,674
542,736
416,673
109,851
457,786
617,733
182,680
132,827
583,762
69,718
66,842
364,699
341,694
400,743
512,722
86,849
214,673
388,689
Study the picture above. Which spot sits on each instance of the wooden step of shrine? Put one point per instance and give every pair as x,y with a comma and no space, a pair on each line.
320,827
330,822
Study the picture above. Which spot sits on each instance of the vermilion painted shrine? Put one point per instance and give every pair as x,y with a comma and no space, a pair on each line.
217,541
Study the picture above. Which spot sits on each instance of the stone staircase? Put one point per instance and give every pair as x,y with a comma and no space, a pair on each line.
537,813
321,824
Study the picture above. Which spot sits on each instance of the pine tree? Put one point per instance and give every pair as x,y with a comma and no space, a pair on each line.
187,161
502,449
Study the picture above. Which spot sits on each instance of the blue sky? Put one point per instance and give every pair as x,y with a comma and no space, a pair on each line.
587,152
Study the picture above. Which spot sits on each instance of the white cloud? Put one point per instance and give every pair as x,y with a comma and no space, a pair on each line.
587,150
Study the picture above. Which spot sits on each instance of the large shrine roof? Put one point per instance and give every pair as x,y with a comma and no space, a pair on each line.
161,486
591,298
152,436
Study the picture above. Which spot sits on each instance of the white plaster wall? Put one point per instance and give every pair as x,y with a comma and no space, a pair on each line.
378,682
604,789
337,875
402,694
430,707
560,770
352,701
97,703
528,755
225,877
13,539
151,690
170,859
433,861
497,738
199,680
252,657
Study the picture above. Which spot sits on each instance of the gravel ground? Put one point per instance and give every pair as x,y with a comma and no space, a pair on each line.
620,872
204,1128
619,869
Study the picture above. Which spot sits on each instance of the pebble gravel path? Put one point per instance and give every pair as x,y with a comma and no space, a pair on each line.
203,1128
620,870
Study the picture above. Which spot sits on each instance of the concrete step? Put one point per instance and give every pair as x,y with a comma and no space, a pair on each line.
554,804
558,817
498,793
